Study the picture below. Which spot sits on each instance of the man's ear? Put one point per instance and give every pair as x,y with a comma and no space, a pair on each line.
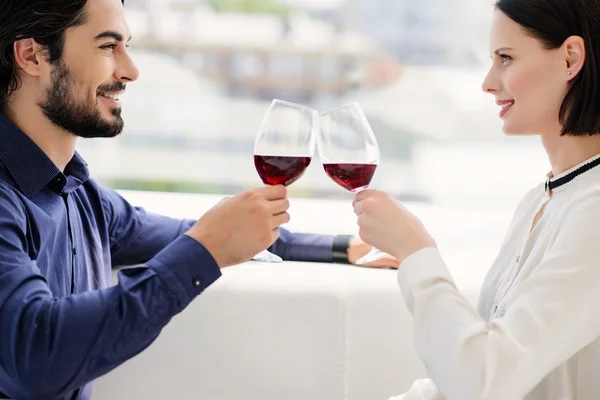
29,56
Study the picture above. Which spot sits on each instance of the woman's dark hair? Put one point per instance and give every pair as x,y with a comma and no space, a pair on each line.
552,22
43,20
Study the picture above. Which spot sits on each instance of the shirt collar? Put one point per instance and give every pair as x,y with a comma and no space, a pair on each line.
551,178
31,168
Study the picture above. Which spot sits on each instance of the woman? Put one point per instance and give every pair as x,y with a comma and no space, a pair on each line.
535,335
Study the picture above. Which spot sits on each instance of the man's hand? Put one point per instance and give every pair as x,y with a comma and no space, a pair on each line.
358,248
239,227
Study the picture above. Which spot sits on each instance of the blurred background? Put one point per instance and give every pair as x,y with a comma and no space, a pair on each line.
210,68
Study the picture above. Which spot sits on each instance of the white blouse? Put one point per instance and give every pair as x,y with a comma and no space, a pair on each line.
535,334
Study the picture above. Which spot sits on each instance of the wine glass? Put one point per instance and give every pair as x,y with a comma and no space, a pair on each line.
284,148
349,153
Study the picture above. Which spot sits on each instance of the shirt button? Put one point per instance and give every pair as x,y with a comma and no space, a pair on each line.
197,282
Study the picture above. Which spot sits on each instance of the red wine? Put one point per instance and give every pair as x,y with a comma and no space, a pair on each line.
280,170
352,177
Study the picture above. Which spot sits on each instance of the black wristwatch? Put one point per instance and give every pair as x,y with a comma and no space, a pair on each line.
341,244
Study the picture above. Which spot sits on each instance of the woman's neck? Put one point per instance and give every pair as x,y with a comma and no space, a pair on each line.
566,152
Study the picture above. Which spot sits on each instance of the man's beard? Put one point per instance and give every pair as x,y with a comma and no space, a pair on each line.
81,119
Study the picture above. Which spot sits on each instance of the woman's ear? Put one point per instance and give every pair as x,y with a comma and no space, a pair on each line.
573,50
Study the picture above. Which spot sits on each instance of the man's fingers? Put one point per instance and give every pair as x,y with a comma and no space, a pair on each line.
280,219
273,192
279,206
275,235
387,262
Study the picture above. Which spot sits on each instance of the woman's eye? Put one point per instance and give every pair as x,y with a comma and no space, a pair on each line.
505,58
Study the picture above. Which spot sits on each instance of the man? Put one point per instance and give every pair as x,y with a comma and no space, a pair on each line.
63,66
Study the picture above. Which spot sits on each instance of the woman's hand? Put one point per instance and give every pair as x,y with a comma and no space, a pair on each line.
390,227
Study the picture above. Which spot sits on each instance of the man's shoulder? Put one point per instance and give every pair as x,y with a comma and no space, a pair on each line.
12,201
6,180
8,186
105,198
92,187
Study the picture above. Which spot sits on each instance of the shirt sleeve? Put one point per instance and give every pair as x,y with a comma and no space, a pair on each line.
135,234
303,246
550,316
50,346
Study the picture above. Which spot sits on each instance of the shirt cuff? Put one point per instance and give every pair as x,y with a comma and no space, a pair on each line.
420,271
303,247
186,267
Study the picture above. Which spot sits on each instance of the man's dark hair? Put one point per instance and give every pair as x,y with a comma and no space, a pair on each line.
552,22
45,21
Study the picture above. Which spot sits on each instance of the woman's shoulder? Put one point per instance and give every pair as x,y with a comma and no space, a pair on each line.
580,204
530,199
584,191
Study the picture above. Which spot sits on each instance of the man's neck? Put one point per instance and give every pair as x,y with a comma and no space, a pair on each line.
58,144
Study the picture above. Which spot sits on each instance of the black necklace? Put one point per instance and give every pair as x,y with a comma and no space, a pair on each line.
551,185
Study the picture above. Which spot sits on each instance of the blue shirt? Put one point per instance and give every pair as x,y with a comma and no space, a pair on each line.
61,323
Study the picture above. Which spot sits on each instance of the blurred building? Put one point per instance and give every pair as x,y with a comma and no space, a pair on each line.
265,56
207,78
417,32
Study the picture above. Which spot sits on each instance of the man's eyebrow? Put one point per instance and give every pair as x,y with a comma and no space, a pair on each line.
110,35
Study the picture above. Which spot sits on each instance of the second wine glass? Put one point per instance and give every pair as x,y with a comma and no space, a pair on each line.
350,154
283,148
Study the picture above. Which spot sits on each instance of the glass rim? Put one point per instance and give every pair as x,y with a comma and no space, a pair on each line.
294,105
353,104
300,154
345,161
